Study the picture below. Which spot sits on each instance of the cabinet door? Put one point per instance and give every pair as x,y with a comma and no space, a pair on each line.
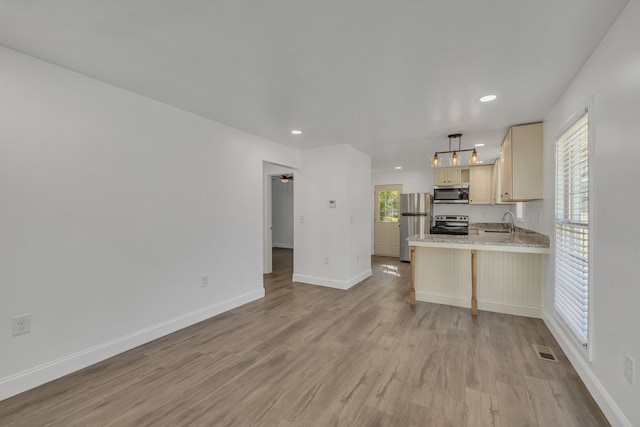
455,176
447,176
526,162
480,185
505,159
440,176
497,179
522,163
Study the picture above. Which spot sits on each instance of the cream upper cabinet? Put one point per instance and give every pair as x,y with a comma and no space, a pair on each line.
521,164
480,184
451,176
497,184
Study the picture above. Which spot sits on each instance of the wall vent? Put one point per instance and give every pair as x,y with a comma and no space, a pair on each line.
544,353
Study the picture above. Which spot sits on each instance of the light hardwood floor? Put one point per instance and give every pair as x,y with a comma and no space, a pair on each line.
312,356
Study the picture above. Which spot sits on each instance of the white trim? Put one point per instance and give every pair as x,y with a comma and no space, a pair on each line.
430,241
282,245
482,305
359,278
332,283
25,380
607,404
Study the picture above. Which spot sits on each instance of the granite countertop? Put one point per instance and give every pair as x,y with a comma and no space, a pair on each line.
488,236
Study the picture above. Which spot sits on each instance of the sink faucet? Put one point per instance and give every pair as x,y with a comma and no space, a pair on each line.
513,220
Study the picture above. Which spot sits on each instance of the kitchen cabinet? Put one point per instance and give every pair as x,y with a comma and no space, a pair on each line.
451,176
496,187
521,164
480,184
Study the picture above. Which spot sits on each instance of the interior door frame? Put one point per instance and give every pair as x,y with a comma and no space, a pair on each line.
270,170
376,213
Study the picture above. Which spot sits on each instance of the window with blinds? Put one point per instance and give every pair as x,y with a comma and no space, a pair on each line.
572,228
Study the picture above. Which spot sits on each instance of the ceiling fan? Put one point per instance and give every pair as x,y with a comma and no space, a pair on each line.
284,178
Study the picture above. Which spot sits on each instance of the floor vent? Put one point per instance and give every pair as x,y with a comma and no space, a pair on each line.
545,353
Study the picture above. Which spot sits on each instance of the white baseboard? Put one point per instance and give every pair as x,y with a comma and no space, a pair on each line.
604,400
282,245
359,278
332,283
482,305
516,310
25,380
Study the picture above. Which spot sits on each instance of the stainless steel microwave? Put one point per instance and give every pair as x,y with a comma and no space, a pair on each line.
451,193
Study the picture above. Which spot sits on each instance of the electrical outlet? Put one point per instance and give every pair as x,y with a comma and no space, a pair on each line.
204,281
629,369
326,260
21,324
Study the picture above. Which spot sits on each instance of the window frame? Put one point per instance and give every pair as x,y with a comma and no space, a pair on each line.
586,107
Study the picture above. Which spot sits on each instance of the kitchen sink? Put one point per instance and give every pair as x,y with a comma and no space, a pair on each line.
497,231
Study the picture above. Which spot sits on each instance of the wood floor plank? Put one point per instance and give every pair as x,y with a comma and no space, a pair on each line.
515,407
548,406
482,409
312,356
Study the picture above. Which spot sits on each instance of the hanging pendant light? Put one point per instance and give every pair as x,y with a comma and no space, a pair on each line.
454,159
474,157
435,161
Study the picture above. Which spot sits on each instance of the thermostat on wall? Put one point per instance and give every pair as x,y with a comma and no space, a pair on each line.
332,203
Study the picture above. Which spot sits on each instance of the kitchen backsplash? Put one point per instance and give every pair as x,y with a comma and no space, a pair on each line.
476,213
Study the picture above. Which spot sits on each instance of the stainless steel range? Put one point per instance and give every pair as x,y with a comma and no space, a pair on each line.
451,224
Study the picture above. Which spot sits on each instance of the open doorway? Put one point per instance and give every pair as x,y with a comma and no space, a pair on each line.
281,231
278,224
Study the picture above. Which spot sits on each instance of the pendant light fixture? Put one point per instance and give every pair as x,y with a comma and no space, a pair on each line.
454,159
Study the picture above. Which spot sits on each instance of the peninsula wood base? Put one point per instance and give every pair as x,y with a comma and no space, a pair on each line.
505,282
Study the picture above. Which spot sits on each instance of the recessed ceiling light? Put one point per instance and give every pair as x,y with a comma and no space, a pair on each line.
398,167
479,145
488,98
296,132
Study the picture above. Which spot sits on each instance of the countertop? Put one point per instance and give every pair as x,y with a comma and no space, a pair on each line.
488,237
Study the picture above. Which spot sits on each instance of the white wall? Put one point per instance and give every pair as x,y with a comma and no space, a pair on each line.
611,79
321,233
282,213
412,182
113,207
360,216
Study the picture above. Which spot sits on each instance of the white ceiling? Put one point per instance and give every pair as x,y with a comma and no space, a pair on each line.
391,78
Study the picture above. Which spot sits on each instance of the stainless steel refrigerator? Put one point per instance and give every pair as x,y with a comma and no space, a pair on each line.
416,211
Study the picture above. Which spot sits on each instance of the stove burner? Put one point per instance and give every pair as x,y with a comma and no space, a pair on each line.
451,224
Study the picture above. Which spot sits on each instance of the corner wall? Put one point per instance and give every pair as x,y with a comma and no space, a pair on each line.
327,240
113,208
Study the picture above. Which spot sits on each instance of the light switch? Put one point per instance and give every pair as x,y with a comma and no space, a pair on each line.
332,203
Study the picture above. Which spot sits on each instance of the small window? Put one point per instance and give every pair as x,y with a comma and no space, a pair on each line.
572,228
388,205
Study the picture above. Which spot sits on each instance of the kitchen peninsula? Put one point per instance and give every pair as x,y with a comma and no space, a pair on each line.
495,268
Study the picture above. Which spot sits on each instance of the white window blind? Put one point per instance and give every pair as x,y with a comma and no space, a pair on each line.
572,228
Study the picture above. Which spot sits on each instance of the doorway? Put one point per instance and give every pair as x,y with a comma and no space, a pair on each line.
386,233
278,218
